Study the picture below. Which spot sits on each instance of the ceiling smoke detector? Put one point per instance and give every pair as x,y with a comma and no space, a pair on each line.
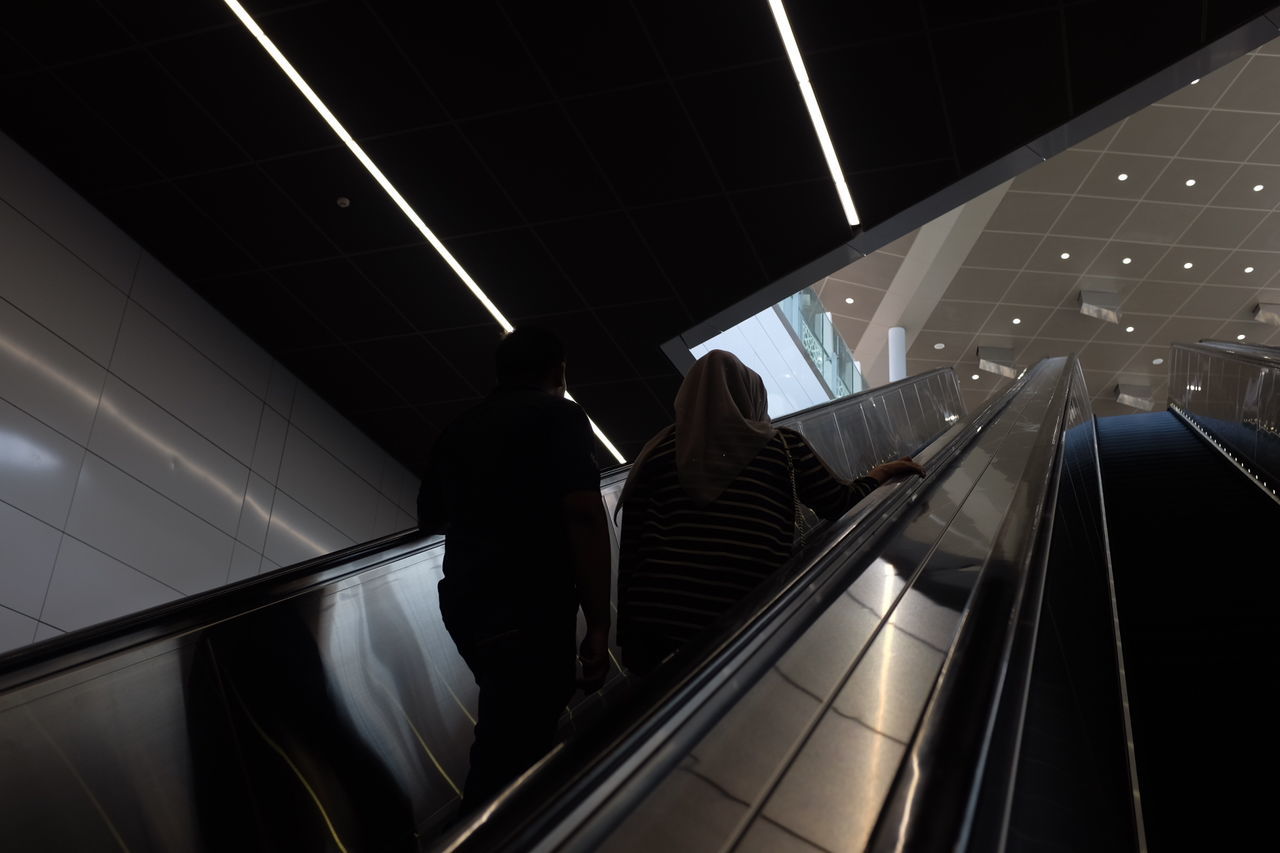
343,201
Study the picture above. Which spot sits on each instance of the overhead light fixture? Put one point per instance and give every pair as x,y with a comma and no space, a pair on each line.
1135,396
939,346
1188,265
1017,321
1128,328
1157,361
975,377
1191,182
1122,177
1195,81
1267,312
372,168
1126,260
1248,269
1240,337
815,114
1065,255
1258,188
848,300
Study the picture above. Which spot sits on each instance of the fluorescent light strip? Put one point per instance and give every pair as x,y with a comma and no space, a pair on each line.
815,113
252,26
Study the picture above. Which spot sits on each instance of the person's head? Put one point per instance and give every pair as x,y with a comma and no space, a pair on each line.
720,377
533,356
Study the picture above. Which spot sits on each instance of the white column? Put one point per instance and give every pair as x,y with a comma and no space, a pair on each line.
897,353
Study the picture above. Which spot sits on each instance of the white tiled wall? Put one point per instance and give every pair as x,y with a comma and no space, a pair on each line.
148,449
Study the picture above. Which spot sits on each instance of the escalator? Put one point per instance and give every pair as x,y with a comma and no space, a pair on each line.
981,660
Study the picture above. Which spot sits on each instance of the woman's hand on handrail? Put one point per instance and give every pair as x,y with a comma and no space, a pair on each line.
885,472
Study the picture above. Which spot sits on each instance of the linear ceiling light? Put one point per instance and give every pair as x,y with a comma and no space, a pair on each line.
252,26
815,114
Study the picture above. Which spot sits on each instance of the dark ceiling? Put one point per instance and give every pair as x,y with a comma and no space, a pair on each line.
617,171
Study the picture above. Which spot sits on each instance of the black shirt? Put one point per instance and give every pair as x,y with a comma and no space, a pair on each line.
495,481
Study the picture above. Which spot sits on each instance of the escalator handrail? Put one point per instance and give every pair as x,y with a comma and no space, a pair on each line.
545,798
934,800
1236,351
41,660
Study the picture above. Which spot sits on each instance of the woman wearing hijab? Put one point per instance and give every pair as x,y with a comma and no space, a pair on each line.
710,509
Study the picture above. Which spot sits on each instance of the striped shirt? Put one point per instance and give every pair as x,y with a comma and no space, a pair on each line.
681,565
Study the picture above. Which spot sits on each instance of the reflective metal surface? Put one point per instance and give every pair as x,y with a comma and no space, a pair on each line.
810,753
1232,392
323,707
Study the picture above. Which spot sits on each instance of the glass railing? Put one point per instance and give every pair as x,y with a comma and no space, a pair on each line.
821,342
1233,393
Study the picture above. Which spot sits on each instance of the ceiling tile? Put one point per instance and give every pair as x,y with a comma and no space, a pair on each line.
957,317
1157,130
1220,303
1145,327
955,345
1228,135
1231,330
1257,88
1032,319
979,285
1142,361
1209,179
902,245
1041,288
851,329
1222,227
865,299
1100,140
607,260
875,270
1061,173
1002,251
1156,297
1098,381
1267,237
1110,262
1186,330
1239,190
338,295
1027,212
1210,88
417,370
1157,223
1140,173
1173,266
1269,150
1081,253
1264,266
1070,324
1098,356
1092,217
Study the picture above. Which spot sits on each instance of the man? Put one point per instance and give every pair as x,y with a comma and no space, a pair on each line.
514,485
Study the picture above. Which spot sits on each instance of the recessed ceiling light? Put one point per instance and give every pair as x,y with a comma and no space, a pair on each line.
815,114
1188,265
1258,188
939,346
1126,260
1248,269
1239,337
394,194
848,300
1191,182
1157,361
975,377
1065,255
1128,329
1017,321
1195,81
1122,177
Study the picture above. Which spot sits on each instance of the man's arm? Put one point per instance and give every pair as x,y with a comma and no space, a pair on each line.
589,549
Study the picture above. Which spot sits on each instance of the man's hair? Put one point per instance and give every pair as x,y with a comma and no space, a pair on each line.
528,354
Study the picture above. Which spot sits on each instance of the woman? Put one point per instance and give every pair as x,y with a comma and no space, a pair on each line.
710,509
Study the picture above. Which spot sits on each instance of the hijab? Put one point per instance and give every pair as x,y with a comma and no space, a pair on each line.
722,423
